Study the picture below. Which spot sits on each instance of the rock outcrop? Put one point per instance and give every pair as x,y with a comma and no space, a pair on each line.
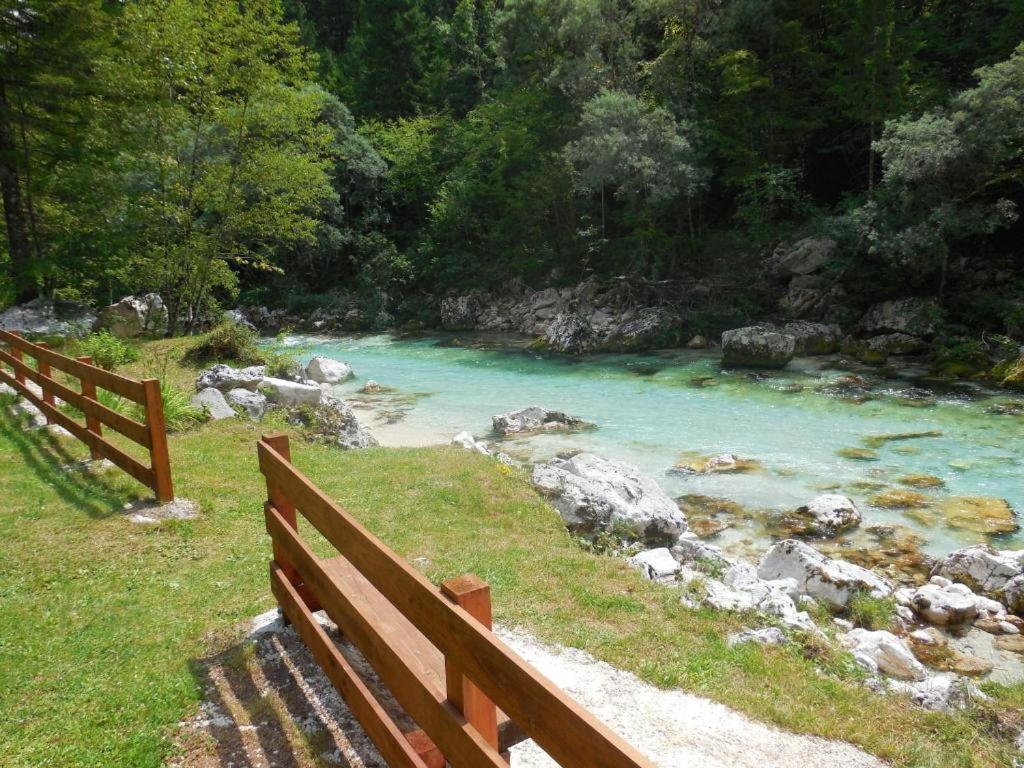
757,347
45,317
834,582
596,495
225,378
986,571
134,316
913,317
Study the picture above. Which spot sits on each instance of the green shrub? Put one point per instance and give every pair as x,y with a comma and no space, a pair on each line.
107,350
179,413
227,342
871,613
281,361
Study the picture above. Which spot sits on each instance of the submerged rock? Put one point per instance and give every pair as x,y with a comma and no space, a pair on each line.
596,495
834,582
898,498
719,463
857,454
534,419
757,347
921,481
978,514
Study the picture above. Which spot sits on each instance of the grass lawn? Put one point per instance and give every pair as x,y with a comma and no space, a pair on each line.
102,621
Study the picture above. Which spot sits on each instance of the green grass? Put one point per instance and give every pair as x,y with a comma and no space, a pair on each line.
104,623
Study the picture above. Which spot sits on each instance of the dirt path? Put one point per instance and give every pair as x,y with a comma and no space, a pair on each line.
267,705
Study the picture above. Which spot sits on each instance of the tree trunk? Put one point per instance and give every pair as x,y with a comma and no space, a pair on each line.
19,247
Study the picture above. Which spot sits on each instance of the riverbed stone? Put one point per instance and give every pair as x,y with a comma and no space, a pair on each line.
211,400
325,370
813,338
889,653
757,347
829,514
978,514
834,582
224,377
534,418
715,464
594,494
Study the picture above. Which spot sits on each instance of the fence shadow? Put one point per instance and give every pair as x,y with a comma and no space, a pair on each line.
267,703
66,473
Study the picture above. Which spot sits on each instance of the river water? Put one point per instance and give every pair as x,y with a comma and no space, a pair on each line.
654,409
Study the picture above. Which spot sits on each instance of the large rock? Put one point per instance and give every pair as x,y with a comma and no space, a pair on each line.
944,604
534,418
802,257
886,653
291,393
334,422
913,317
570,333
134,316
225,378
211,400
253,403
460,312
324,370
741,589
829,514
813,338
44,317
757,346
834,582
983,569
596,495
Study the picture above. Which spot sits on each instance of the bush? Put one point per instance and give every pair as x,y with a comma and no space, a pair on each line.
107,350
871,613
179,413
226,343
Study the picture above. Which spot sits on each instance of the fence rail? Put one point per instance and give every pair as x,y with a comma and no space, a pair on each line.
432,648
150,434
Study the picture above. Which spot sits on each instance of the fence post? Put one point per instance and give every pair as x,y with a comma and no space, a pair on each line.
16,354
44,370
473,595
93,424
161,461
276,496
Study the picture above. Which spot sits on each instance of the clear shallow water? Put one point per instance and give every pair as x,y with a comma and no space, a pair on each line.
648,411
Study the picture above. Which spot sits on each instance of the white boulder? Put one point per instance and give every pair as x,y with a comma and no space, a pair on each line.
594,494
45,317
942,604
834,582
289,393
466,441
253,403
211,400
324,370
224,377
656,564
133,316
983,569
765,636
888,653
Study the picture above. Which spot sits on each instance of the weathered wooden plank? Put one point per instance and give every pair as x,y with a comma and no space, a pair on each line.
564,729
95,442
133,430
458,740
93,424
159,457
113,382
386,736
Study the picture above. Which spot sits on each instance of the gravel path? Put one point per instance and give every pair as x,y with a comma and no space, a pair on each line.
268,705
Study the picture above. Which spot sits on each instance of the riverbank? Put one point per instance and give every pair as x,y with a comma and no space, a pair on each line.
142,606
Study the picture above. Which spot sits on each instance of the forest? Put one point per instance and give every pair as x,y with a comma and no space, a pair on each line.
288,152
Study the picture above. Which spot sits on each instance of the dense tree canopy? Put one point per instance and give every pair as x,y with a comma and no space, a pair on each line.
395,149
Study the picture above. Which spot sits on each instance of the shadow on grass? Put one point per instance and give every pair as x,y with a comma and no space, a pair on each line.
267,703
66,474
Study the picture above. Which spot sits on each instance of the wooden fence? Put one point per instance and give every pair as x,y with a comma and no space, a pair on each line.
432,648
151,435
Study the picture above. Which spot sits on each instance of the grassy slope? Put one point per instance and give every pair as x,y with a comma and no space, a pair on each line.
103,620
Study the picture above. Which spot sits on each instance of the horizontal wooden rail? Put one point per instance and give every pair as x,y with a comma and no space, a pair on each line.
564,729
150,435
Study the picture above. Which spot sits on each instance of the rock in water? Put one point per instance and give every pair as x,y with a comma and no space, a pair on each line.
830,514
813,338
533,419
324,370
211,400
224,377
886,652
289,393
757,347
834,582
570,333
253,403
595,495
